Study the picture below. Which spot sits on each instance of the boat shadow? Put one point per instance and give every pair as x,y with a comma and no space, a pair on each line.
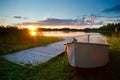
99,73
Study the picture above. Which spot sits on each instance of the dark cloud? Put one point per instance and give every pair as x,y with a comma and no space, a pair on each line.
118,16
58,21
18,17
115,9
52,22
88,20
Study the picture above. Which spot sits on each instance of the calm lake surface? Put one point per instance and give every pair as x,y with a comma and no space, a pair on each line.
64,33
93,38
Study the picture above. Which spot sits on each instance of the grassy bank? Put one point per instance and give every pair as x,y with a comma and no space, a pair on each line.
13,39
115,56
59,69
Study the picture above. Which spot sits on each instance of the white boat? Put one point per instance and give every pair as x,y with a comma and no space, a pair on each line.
88,51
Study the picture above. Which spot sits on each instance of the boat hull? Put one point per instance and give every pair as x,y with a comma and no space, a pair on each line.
87,55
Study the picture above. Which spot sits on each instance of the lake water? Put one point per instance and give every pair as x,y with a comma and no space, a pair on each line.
80,36
64,33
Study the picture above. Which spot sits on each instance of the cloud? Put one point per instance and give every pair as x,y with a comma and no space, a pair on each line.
18,17
60,22
115,9
55,21
118,16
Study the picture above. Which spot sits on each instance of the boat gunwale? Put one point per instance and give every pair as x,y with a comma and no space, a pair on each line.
88,43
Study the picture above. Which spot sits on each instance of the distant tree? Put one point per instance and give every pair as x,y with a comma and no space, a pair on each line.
110,28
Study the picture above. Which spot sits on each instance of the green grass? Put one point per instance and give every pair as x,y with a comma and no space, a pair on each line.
55,69
11,71
58,68
12,45
115,56
115,43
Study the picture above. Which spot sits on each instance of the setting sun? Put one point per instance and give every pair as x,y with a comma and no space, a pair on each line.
32,28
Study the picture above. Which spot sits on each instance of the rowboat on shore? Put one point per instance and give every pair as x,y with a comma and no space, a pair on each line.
88,51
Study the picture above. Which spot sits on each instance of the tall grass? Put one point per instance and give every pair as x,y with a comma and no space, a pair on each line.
114,41
114,50
14,39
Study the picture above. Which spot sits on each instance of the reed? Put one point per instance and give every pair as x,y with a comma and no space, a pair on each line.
13,39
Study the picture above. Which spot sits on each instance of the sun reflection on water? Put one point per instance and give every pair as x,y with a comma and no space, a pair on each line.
33,33
32,30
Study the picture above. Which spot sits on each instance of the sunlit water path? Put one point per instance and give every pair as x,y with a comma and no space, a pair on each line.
62,33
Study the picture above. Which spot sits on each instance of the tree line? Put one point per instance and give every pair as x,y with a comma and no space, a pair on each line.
111,28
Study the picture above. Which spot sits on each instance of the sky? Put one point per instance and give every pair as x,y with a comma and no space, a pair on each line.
59,12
